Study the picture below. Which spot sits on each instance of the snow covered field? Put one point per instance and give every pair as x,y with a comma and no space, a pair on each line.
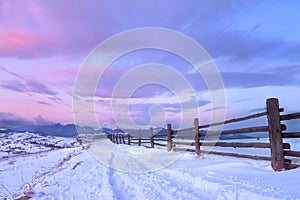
13,144
75,173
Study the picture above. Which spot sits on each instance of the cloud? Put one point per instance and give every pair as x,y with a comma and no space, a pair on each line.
255,79
237,46
39,120
254,45
41,29
29,86
10,120
241,100
256,110
242,34
15,86
214,108
229,31
44,103
56,99
139,108
10,72
26,85
40,88
14,44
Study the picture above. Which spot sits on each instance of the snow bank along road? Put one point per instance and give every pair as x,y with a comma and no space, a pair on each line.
74,173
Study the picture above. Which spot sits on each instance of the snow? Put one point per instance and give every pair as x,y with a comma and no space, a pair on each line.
26,143
78,173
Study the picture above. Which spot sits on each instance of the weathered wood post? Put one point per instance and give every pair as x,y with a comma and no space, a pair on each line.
120,138
197,142
110,137
140,137
151,137
169,135
123,138
275,134
128,139
113,138
117,138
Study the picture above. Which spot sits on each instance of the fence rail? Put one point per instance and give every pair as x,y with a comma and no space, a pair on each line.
291,153
290,116
291,135
184,139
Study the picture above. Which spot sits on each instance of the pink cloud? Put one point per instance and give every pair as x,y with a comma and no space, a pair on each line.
30,94
65,75
30,107
14,42
16,39
34,30
73,27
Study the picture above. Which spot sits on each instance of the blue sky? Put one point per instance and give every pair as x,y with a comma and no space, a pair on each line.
255,45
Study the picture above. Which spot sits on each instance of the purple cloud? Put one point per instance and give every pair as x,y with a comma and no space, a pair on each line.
9,119
56,99
253,44
40,88
272,78
26,85
39,120
44,103
29,86
77,27
15,86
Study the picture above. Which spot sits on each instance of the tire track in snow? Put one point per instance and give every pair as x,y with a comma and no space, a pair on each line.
112,179
152,185
132,186
87,181
27,189
184,185
122,185
230,184
216,186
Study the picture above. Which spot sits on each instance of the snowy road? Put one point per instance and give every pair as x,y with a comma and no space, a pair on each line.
77,174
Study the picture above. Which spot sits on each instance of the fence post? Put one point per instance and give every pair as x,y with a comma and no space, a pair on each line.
128,138
169,140
117,139
120,139
123,138
151,137
139,137
275,135
197,142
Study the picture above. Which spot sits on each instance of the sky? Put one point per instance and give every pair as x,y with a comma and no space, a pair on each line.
44,44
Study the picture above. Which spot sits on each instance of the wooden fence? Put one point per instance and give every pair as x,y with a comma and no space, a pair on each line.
183,139
149,142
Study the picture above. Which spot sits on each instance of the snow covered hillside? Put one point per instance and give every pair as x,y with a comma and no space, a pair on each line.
12,144
75,173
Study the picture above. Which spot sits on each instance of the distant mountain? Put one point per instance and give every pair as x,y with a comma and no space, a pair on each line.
4,130
68,130
159,131
234,136
111,131
71,130
243,136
